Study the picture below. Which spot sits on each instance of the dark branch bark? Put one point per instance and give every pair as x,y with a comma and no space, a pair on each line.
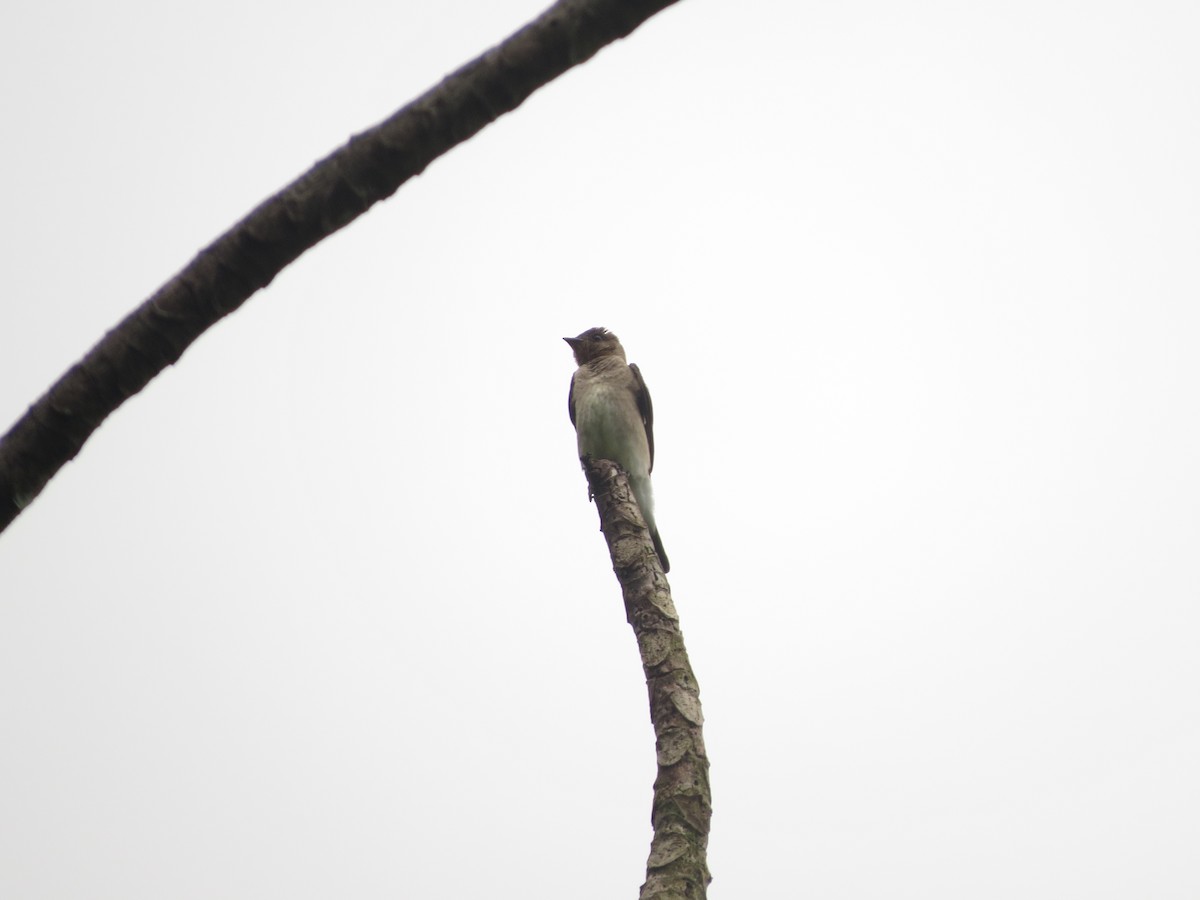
678,866
332,194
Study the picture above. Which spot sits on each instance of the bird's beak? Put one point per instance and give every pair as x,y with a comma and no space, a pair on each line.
573,342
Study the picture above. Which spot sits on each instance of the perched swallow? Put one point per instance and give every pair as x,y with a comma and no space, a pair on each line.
610,409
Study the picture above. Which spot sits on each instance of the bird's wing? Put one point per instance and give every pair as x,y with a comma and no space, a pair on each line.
571,400
645,408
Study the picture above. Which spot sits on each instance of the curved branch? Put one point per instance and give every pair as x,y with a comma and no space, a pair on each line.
677,867
370,168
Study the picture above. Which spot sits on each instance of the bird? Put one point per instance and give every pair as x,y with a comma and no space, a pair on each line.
610,408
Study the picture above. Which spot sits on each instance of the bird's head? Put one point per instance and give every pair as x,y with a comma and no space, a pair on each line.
594,344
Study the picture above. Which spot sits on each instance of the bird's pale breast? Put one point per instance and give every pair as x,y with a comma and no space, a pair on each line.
608,423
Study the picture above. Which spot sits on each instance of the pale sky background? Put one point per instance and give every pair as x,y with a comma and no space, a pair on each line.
324,612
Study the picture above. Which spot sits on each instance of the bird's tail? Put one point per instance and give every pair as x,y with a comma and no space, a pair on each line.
658,548
645,499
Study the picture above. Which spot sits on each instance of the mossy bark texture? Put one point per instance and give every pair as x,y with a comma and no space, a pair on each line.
677,867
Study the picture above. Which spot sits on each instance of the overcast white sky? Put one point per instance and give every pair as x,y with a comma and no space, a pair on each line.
324,611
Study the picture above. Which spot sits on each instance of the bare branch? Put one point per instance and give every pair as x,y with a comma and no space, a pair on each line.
370,168
677,867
